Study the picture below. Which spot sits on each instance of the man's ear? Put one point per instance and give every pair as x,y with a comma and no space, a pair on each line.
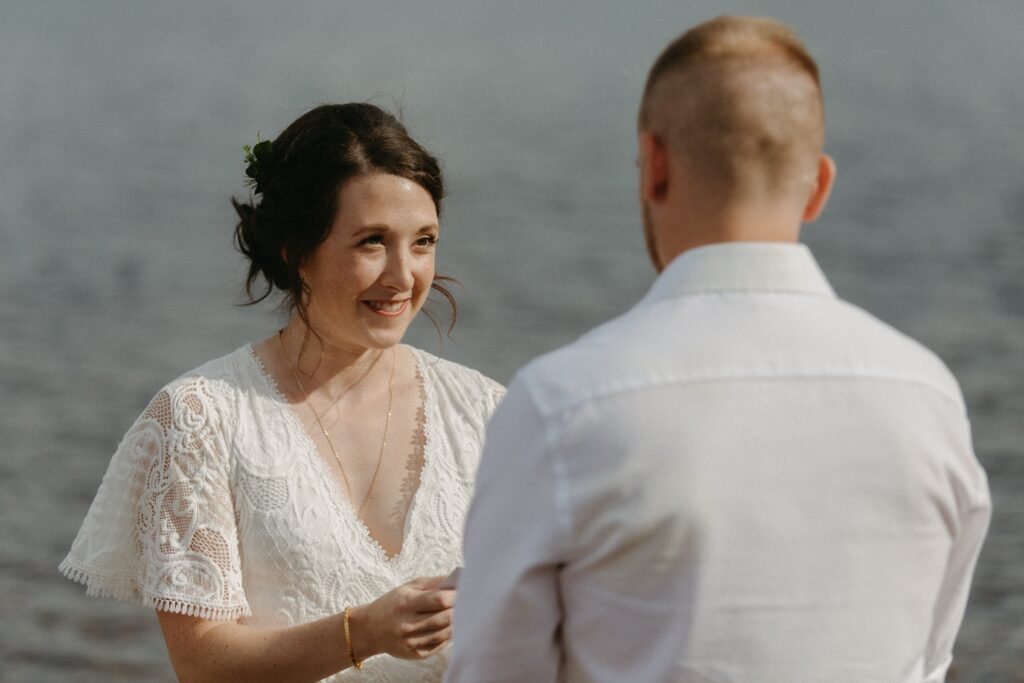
654,167
822,189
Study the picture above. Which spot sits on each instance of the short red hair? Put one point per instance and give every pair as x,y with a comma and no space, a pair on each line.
738,100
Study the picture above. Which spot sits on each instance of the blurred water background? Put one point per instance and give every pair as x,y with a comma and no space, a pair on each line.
121,126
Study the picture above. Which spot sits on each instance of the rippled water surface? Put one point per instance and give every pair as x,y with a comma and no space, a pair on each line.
121,125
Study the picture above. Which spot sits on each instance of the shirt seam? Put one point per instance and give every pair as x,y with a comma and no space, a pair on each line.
635,386
550,455
737,289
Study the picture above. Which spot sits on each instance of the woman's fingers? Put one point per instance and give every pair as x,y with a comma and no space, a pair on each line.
427,583
429,644
435,622
420,616
435,601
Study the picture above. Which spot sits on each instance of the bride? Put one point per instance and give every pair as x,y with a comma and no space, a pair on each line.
290,510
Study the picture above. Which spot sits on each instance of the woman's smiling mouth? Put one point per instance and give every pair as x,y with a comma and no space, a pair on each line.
387,308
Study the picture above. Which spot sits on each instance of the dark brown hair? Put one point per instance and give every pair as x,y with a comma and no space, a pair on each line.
291,213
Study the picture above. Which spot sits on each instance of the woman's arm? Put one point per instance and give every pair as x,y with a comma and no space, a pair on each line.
411,621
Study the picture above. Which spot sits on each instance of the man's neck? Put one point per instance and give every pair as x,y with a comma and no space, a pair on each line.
740,223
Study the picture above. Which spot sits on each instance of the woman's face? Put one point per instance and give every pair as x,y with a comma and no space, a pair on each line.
371,275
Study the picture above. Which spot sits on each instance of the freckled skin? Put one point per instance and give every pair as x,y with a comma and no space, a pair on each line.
381,249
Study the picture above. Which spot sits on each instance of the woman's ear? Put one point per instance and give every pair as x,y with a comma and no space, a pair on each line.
822,189
654,167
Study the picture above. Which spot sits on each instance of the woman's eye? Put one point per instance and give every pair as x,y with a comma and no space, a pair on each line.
426,241
372,240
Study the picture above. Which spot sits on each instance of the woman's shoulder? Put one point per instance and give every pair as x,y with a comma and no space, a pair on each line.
171,471
213,389
460,401
229,373
458,378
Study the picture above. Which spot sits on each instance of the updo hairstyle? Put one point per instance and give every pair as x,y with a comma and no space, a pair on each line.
293,208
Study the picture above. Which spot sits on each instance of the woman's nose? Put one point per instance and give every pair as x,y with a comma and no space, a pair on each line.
397,273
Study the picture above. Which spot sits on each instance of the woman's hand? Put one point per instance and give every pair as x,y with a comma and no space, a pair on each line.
412,621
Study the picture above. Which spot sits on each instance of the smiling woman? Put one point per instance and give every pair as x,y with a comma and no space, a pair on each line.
290,509
373,272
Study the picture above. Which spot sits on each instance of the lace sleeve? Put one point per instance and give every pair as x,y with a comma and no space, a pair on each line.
161,530
494,393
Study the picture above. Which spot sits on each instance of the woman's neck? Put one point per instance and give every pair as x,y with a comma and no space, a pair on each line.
319,363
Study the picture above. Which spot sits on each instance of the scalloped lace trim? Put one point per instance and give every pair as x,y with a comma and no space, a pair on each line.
101,587
126,590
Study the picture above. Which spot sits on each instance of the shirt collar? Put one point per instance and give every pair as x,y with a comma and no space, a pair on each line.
741,267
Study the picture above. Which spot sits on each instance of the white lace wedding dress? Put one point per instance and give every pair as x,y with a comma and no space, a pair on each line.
216,504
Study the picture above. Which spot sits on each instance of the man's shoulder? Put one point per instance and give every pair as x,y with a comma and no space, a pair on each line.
704,340
875,347
592,365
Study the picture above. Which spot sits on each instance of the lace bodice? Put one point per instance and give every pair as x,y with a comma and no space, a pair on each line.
216,504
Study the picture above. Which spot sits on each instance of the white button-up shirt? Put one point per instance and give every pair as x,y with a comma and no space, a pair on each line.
744,478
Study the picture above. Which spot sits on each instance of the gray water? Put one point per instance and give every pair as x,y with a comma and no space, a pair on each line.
121,126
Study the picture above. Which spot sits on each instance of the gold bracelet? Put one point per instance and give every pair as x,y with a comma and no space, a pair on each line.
348,641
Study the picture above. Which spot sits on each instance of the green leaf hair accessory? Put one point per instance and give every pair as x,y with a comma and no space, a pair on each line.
259,158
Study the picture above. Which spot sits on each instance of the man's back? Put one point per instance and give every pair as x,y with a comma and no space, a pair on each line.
743,478
763,482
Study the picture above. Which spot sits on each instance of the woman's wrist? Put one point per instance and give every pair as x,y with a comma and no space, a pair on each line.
360,628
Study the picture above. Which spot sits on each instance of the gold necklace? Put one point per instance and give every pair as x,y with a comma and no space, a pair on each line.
327,438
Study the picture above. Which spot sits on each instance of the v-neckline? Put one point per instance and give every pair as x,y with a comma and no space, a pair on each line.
340,501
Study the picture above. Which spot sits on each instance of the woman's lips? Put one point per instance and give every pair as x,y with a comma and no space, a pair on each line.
388,309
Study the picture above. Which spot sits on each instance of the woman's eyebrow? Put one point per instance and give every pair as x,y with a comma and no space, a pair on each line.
376,227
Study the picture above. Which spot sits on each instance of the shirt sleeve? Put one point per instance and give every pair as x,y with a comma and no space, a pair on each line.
975,506
507,612
161,530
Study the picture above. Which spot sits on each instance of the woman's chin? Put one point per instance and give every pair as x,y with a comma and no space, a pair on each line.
375,332
386,338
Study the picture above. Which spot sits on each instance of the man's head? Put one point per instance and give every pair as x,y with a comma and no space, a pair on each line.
731,129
